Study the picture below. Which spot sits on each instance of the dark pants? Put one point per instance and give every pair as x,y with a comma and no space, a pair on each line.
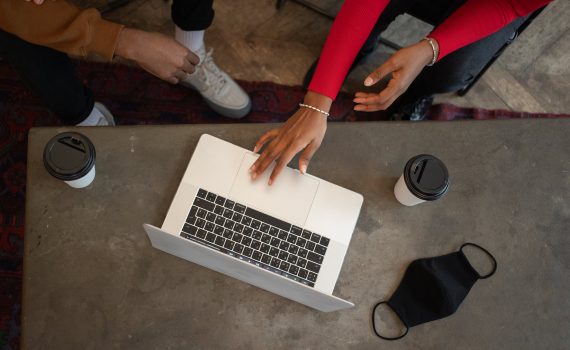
52,76
452,72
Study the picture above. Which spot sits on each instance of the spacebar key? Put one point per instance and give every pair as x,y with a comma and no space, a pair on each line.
268,219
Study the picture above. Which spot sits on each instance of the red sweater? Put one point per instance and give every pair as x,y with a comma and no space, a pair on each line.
472,21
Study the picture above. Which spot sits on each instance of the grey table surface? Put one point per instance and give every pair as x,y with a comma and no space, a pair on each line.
93,281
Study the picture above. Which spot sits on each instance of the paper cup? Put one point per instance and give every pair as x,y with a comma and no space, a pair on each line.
70,157
425,178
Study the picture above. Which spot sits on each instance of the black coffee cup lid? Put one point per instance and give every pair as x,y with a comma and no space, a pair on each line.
426,177
69,156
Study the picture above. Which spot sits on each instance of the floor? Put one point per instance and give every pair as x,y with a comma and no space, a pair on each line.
255,41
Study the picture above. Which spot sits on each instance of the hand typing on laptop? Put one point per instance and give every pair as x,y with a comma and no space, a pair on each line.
304,131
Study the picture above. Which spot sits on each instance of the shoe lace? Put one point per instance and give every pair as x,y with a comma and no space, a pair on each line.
214,75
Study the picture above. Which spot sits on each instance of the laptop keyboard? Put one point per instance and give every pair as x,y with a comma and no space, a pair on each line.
255,237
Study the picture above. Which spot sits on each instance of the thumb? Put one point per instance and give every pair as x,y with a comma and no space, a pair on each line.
306,156
379,73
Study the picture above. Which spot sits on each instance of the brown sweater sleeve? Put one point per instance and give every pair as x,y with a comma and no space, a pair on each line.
60,26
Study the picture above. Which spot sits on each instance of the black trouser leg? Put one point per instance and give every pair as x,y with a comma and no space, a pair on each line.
457,69
51,75
192,14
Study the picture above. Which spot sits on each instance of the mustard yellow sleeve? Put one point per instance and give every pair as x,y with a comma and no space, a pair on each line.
61,26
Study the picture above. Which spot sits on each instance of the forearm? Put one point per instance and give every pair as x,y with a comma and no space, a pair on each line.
477,19
350,30
60,26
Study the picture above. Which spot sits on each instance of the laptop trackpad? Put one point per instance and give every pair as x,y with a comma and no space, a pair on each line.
289,198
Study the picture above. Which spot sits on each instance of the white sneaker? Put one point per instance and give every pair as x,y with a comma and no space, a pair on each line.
107,119
219,90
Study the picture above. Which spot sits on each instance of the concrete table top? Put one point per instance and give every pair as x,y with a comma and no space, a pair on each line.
93,281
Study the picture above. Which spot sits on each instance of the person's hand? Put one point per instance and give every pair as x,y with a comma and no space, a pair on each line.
405,65
304,131
156,53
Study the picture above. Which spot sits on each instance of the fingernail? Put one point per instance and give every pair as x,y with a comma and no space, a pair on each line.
253,176
368,82
303,169
255,149
270,182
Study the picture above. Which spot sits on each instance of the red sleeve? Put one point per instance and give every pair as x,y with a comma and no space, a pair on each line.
477,19
350,30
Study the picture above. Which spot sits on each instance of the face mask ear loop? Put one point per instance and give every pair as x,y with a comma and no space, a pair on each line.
488,254
374,322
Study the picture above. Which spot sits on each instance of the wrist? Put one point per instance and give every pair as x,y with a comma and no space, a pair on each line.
430,50
126,44
318,100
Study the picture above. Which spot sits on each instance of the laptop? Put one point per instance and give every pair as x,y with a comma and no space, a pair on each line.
289,238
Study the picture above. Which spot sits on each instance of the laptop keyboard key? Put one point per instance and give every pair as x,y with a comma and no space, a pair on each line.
325,241
256,256
229,204
312,277
220,200
190,229
256,224
237,217
220,220
238,248
228,233
246,241
211,217
229,245
310,246
247,231
202,193
266,238
284,266
204,204
283,255
293,249
238,228
219,240
219,210
274,231
201,213
218,230
296,230
265,248
311,266
315,257
192,213
316,238
229,224
209,226
211,197
292,239
320,249
294,270
275,242
255,244
303,273
246,221
247,252
202,234
303,252
282,235
266,259
237,237
257,234
306,234
284,245
292,259
274,252
275,262
301,262
239,208
210,237
301,242
228,214
200,223
264,228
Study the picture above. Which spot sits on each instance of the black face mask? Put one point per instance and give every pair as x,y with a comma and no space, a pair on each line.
433,288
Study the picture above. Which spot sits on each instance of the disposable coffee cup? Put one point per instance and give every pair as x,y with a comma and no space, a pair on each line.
425,178
70,157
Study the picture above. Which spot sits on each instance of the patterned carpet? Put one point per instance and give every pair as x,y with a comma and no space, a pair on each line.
135,97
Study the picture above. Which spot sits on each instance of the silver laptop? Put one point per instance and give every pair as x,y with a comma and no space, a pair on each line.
289,238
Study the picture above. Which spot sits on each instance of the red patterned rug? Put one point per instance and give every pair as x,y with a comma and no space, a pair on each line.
134,97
